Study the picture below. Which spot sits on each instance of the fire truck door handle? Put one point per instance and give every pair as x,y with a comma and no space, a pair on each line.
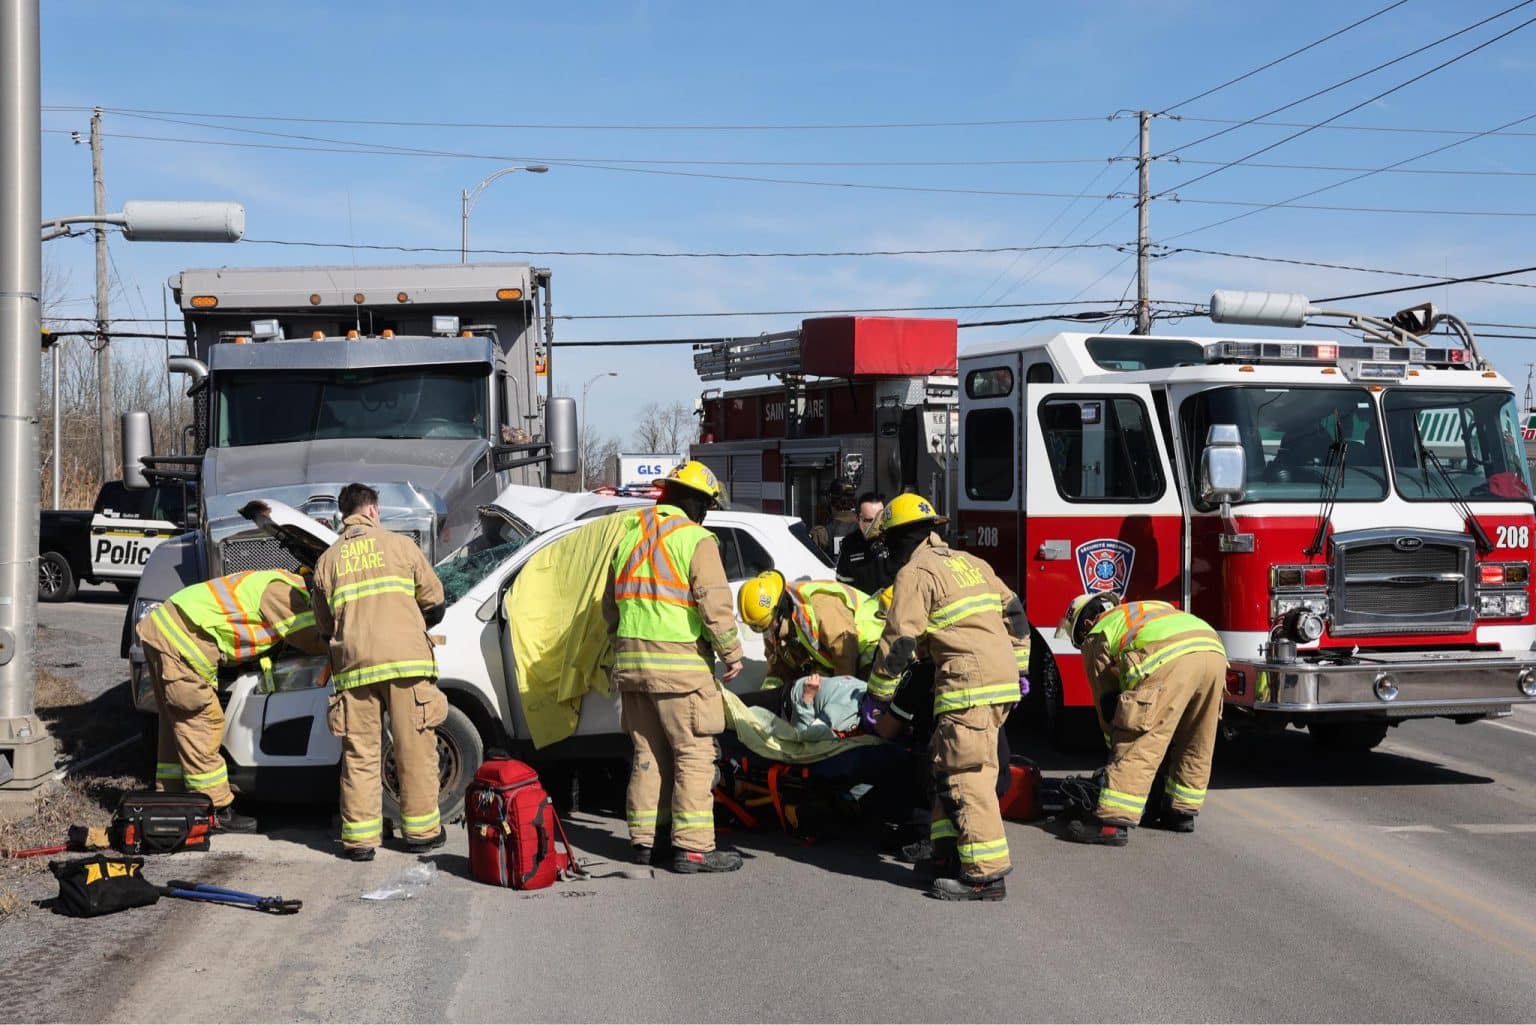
1050,550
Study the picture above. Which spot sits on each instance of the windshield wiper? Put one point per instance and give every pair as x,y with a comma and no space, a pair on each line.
1458,501
1329,492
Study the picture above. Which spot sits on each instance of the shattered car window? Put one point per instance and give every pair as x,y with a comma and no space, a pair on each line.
472,563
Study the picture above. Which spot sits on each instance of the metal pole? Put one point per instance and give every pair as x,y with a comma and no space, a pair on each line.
464,226
56,353
1144,167
105,398
23,738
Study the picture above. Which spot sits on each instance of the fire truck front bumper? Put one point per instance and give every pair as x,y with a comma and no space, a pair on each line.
1391,685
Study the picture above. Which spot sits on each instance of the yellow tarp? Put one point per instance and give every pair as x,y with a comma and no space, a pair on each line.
559,637
768,735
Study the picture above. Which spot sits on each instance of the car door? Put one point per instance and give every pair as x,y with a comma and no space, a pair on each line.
124,531
1103,507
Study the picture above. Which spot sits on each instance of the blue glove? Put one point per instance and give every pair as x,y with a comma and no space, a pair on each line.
870,711
1023,686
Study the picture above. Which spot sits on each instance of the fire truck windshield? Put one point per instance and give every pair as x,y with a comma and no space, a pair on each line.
269,407
1473,435
1287,434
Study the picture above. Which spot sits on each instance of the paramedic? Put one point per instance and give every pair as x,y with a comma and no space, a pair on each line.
810,626
221,622
974,629
673,611
842,524
863,562
375,597
1157,676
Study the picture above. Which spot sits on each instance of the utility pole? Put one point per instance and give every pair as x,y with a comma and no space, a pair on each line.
1143,201
106,403
26,750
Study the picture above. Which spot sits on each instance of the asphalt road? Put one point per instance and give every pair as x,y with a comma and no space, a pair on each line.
1391,886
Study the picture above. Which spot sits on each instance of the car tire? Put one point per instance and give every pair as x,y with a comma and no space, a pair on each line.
55,580
1347,737
460,750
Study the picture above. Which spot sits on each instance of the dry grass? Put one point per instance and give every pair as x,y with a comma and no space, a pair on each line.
81,728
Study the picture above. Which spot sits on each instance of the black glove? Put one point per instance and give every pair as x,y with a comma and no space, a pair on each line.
433,614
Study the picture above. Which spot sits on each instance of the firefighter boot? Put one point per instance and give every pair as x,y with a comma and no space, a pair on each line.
358,853
1175,820
963,889
1095,830
230,821
689,862
431,843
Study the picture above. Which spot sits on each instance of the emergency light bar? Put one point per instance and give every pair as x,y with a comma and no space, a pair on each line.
1329,354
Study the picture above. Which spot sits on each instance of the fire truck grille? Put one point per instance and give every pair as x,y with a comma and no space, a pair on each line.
1393,582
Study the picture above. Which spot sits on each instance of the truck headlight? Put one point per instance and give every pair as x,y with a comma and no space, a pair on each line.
143,607
1317,604
1502,604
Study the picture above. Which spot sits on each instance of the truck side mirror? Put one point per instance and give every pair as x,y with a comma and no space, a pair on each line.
560,429
138,444
1223,466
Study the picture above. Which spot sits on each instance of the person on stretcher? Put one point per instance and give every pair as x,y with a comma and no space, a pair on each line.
824,707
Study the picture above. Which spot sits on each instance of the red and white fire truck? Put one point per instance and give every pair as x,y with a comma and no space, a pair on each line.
1355,518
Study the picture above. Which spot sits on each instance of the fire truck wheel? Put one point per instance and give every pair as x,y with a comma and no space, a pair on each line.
1068,729
1347,736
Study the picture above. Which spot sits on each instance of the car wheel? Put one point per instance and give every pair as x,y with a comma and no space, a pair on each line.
1347,737
55,580
459,753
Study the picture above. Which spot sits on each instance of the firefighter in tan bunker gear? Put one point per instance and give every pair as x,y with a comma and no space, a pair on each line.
674,615
974,629
221,622
1157,676
375,596
810,626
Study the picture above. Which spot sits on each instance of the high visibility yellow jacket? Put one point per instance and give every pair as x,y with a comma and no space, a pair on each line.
832,629
233,619
1133,641
673,604
954,604
370,589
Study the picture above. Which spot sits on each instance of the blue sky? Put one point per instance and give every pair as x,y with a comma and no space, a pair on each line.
792,63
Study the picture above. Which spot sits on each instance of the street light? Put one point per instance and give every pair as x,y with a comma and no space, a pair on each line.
156,220
469,197
584,427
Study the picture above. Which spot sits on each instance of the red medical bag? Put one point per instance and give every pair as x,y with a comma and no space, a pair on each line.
513,827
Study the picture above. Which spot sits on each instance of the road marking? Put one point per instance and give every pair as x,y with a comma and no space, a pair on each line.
1512,729
1495,828
1411,829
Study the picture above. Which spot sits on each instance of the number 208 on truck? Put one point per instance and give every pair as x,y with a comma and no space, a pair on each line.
1353,513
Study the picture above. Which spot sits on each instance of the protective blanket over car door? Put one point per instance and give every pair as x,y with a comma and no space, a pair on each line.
559,637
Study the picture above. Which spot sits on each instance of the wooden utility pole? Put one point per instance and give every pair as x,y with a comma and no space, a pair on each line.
1143,201
105,404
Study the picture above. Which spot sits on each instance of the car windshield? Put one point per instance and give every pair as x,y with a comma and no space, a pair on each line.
1456,444
266,407
1289,436
472,563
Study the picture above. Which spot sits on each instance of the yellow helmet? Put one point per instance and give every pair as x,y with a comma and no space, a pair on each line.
1085,608
758,599
909,508
695,476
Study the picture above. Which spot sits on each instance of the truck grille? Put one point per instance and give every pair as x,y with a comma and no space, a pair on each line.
1397,581
242,554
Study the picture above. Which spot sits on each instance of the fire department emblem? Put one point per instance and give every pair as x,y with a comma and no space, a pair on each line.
1105,565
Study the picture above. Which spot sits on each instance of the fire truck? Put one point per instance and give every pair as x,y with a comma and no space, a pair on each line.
1354,518
871,400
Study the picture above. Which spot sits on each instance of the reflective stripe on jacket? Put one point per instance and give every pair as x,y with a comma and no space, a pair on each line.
1138,638
863,610
673,603
233,619
370,589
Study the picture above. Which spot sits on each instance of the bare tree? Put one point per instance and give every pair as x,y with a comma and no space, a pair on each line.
597,455
669,428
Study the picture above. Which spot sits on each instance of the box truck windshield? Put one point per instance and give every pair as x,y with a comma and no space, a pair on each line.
270,407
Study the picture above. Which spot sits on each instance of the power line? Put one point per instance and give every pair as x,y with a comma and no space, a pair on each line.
1436,279
1436,212
1351,79
1341,128
1366,102
828,312
664,254
1291,201
1281,60
525,126
1433,284
1470,172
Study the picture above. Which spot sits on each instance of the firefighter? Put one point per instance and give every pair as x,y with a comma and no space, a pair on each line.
674,617
1157,676
974,629
863,563
810,626
842,522
221,622
375,597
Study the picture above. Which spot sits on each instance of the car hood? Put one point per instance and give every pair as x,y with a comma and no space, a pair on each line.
543,508
301,536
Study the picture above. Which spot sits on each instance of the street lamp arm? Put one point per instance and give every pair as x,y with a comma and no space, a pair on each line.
472,194
59,226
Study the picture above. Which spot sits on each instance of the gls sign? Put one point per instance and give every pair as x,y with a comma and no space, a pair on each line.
652,470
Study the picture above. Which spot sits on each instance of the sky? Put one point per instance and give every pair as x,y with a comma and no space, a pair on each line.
931,127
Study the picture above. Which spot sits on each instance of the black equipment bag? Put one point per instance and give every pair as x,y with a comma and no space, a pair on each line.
100,885
147,822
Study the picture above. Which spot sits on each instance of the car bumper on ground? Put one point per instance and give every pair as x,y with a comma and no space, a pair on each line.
1391,685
